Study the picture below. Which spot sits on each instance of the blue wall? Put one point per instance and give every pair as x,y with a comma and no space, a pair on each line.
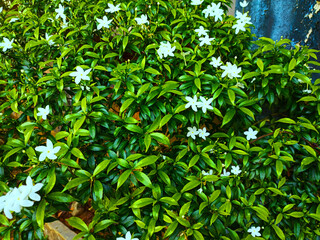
291,19
297,20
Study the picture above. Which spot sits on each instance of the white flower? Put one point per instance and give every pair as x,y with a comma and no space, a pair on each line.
13,20
201,31
47,151
20,199
239,26
200,190
254,231
204,173
231,70
225,173
203,133
192,102
242,17
50,42
244,4
142,20
6,44
6,203
104,22
205,40
250,134
31,189
205,104
216,62
64,23
80,74
214,11
196,2
112,8
192,132
60,12
235,170
306,91
1,8
165,50
43,112
240,85
128,237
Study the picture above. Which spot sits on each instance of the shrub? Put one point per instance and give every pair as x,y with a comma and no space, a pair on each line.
166,130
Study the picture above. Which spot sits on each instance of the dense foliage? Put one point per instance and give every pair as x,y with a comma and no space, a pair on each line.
167,130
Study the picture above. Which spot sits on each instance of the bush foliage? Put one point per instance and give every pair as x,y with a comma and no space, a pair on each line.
124,140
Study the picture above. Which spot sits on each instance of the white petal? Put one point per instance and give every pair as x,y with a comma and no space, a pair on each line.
56,149
49,144
37,187
34,197
42,156
41,149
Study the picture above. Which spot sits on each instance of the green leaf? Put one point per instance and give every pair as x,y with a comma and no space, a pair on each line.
250,75
279,168
292,64
142,202
165,119
275,190
302,77
172,227
98,189
232,96
316,216
310,150
278,232
101,166
123,177
248,112
296,214
134,128
164,177
307,161
147,141
40,213
60,197
169,201
125,42
286,120
51,179
143,178
190,185
160,137
153,71
146,161
78,223
197,82
260,64
262,212
309,126
288,207
77,153
228,117
142,89
308,99
78,124
103,225
75,182
193,160
11,152
126,104
197,235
